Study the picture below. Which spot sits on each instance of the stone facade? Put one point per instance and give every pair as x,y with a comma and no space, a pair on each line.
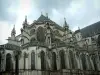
44,45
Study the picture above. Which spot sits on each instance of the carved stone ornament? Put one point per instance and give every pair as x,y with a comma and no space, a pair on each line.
17,53
26,55
57,55
39,54
48,54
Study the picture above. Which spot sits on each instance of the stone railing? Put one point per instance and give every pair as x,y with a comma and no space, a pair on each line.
10,47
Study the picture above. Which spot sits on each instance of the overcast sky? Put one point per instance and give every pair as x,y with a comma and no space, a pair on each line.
78,13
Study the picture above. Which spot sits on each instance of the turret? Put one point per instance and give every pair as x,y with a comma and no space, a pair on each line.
78,34
13,32
47,15
65,26
25,22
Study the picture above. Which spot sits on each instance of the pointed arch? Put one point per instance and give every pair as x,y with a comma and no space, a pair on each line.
43,61
62,59
9,64
33,60
83,58
71,59
54,64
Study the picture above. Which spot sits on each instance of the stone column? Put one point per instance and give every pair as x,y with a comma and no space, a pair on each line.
67,60
80,61
91,63
58,61
77,61
97,62
3,61
87,62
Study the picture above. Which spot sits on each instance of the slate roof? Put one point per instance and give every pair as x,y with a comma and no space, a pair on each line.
43,18
91,30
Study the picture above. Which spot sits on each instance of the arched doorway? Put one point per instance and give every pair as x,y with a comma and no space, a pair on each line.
33,60
62,59
9,64
83,58
54,65
43,61
71,59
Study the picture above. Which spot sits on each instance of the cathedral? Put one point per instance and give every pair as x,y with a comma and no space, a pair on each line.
46,48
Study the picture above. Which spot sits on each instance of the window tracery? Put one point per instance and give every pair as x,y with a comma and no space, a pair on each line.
54,64
33,60
62,59
43,61
9,64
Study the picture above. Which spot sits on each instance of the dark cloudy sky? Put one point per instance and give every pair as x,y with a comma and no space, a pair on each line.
78,13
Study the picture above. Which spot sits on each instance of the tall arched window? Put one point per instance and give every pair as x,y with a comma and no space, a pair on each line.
71,59
83,58
33,60
62,60
41,31
25,55
54,65
90,65
9,64
94,62
0,61
43,62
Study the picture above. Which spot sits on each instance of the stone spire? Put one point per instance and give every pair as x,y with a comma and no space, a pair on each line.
25,19
65,24
47,15
25,22
41,13
13,32
78,28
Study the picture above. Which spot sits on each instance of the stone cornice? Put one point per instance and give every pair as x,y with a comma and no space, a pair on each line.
10,47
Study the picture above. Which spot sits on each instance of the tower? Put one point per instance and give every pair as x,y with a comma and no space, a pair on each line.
66,28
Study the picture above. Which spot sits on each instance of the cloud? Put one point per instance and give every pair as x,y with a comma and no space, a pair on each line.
5,30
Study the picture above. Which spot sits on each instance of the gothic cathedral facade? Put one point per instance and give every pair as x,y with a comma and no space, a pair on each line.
44,45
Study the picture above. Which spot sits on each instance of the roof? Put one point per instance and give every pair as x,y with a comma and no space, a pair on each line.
77,31
91,30
43,18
